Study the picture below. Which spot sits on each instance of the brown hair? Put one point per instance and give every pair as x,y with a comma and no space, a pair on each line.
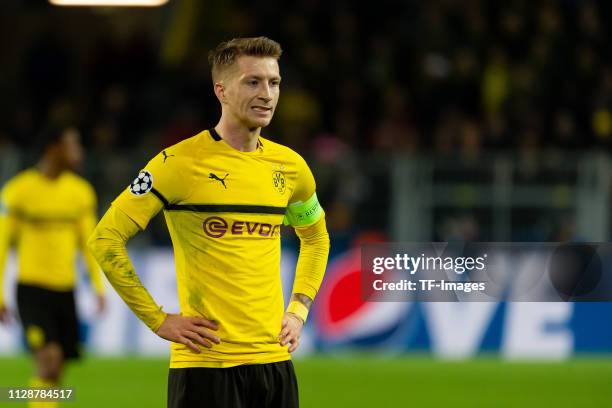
226,53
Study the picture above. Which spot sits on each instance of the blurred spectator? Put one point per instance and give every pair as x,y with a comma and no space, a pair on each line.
396,133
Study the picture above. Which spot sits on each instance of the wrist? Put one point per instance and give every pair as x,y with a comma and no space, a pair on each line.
159,320
299,309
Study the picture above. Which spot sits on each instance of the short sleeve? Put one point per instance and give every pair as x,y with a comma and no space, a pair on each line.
158,184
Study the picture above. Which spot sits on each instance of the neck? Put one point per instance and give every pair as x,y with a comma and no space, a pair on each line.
49,168
239,137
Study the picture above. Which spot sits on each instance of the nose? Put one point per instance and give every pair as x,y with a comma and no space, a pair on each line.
266,93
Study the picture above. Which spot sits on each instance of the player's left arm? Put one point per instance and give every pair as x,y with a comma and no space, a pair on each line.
8,232
86,226
307,217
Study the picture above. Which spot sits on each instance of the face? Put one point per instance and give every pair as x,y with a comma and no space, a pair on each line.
70,148
249,91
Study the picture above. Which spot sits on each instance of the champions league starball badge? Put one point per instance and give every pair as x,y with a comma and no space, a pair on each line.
142,184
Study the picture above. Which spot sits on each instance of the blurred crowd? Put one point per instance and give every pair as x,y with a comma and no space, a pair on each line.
401,76
448,76
452,78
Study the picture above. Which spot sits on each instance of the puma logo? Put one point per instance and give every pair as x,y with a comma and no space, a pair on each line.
166,155
215,177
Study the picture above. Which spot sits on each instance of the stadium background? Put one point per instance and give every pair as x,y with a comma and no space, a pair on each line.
438,120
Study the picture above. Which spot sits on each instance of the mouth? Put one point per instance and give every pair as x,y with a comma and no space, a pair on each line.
262,109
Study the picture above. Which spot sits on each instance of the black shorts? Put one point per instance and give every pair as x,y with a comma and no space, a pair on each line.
272,385
49,316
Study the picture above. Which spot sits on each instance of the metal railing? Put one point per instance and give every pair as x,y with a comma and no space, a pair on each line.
503,196
503,193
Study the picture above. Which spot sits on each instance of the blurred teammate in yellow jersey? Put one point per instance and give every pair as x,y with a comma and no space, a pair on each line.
48,212
225,193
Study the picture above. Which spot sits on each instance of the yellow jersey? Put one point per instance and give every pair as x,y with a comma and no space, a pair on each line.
48,221
224,209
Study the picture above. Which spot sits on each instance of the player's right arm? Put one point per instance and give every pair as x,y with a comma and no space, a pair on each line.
108,244
130,213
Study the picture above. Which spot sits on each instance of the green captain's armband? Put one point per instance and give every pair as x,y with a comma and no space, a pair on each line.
300,214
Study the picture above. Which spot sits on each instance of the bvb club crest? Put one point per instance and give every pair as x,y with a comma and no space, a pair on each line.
278,180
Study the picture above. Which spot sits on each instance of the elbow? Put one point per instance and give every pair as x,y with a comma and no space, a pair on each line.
323,242
94,242
327,240
319,244
315,237
321,238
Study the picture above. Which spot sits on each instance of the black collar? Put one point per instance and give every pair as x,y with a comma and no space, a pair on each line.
214,134
216,137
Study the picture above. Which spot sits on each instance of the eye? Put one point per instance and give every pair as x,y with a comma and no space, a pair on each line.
252,82
275,83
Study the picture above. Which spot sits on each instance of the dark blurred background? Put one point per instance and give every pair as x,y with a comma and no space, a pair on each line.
422,120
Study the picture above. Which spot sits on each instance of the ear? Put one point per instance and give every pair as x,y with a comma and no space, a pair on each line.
220,91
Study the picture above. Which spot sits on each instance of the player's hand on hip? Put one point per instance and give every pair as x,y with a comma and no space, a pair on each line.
291,330
190,331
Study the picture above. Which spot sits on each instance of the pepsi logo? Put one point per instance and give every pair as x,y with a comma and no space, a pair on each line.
341,312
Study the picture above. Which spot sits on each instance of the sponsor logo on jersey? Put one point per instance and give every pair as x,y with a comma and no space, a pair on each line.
142,184
217,178
217,227
166,156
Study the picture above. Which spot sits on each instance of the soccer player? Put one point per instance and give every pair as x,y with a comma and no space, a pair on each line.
225,193
48,212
